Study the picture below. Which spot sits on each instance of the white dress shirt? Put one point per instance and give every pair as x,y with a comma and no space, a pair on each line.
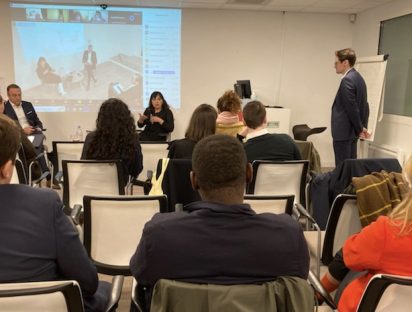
21,116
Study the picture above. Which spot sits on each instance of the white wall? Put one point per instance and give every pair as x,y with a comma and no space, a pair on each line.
288,58
393,130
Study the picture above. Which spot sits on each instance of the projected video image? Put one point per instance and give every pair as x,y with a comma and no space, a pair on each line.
72,59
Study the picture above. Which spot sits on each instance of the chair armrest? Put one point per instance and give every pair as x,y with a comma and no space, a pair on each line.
318,287
59,176
117,285
76,214
43,175
135,300
303,212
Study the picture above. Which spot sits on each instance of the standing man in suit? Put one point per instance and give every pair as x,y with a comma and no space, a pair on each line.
350,110
38,241
90,62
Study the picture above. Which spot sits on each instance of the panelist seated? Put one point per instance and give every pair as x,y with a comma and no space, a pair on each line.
219,240
38,241
47,75
24,113
157,119
28,148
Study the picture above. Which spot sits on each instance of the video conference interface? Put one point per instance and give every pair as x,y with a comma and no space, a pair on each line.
72,58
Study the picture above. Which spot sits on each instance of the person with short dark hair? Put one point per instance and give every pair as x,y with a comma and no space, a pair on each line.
38,241
24,113
157,119
21,111
262,145
201,124
350,109
28,148
115,137
219,240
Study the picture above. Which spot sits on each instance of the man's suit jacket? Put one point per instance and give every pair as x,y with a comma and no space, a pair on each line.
350,110
94,58
38,241
29,111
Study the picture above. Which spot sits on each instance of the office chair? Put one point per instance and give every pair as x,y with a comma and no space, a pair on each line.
301,132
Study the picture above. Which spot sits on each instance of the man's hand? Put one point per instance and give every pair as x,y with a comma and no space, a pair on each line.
29,130
154,119
364,134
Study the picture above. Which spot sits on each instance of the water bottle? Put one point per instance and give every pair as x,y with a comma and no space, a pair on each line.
79,133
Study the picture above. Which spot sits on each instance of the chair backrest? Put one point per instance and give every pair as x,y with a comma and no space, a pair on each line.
283,294
66,150
56,296
113,226
279,178
343,221
270,203
91,177
152,152
19,175
387,293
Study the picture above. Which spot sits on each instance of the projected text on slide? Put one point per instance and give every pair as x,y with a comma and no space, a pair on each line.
71,58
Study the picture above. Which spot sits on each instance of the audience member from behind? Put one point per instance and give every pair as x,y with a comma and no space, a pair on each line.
384,246
202,124
115,137
39,242
219,240
229,120
262,145
157,119
47,75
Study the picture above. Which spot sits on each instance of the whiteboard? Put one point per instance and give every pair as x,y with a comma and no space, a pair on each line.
373,71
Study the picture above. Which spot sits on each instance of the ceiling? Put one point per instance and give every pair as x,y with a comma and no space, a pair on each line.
318,6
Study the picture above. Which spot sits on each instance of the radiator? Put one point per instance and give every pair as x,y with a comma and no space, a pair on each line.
385,151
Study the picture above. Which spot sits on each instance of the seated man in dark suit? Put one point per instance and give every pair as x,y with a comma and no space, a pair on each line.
38,241
262,145
24,113
219,240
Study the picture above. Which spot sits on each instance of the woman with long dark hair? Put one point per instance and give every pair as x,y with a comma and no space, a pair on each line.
115,137
157,119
